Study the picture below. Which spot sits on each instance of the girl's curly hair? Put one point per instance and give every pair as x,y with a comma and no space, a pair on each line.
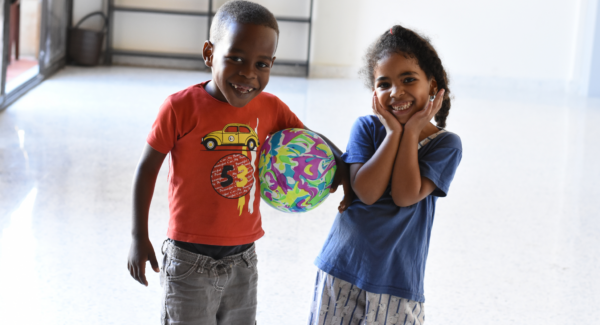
407,42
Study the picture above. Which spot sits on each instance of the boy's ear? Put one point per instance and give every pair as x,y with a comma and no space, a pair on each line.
273,61
207,53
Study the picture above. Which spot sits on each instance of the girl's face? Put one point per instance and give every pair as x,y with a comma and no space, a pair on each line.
401,86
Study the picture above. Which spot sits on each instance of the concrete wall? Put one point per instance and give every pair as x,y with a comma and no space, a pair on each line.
537,44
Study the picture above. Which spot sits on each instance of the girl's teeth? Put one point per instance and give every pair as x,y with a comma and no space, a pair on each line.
401,108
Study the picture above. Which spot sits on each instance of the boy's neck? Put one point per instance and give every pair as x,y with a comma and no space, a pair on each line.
211,89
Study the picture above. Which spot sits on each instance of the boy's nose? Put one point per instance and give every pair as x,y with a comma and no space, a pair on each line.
247,71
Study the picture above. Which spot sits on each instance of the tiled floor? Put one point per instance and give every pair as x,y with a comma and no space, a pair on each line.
515,242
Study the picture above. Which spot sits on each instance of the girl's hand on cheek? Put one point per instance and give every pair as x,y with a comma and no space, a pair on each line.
420,119
388,119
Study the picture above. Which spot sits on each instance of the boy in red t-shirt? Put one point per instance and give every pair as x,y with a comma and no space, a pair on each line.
213,131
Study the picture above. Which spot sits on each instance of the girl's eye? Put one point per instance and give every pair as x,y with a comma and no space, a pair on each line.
383,85
408,80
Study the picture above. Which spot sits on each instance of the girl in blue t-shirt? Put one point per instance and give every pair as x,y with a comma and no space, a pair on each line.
372,265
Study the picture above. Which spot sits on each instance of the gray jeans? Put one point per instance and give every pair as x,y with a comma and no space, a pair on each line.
200,290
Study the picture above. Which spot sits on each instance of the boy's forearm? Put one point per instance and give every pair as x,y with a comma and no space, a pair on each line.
337,153
406,175
143,190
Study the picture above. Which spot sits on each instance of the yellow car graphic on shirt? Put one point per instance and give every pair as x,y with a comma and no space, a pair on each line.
233,134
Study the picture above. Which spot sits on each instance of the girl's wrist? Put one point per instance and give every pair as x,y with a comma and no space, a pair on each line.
393,133
411,134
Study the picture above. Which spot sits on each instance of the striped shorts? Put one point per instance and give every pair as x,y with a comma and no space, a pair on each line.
337,302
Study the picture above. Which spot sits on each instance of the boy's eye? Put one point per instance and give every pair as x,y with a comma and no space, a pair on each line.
235,59
262,65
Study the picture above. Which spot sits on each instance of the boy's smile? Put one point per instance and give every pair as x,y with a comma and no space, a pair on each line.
402,86
241,62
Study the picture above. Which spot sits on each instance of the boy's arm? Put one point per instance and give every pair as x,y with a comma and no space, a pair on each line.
408,186
143,188
342,175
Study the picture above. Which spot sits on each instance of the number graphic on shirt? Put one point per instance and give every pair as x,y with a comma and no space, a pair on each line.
224,174
242,172
232,176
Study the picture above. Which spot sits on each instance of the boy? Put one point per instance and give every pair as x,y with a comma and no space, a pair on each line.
213,131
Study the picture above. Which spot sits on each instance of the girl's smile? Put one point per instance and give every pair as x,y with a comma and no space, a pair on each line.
401,85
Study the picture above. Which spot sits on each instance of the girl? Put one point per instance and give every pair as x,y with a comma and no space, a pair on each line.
373,261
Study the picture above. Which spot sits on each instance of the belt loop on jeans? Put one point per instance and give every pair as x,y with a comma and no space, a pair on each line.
162,248
246,257
201,263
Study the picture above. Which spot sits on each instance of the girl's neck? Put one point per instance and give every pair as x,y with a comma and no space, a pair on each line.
429,130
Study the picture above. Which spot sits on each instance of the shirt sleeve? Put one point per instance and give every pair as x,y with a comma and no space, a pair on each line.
163,135
360,146
286,119
440,163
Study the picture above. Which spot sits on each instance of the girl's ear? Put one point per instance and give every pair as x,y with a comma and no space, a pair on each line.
433,87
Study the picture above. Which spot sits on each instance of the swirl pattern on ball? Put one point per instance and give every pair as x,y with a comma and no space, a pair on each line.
296,169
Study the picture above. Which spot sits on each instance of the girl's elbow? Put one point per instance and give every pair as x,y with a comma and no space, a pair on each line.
402,202
366,199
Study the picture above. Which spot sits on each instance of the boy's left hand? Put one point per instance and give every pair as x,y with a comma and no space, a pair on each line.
341,172
342,176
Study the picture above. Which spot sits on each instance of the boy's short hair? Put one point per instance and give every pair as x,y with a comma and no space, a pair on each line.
242,12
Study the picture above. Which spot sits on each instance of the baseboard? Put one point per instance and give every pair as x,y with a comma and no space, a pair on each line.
518,84
330,71
153,62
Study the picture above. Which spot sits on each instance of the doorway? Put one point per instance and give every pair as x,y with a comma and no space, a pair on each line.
33,39
24,42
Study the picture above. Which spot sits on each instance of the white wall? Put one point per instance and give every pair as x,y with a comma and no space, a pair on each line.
526,42
594,75
538,44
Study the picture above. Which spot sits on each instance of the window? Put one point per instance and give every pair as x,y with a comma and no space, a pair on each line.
231,129
244,129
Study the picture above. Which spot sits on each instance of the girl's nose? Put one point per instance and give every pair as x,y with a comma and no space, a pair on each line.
397,91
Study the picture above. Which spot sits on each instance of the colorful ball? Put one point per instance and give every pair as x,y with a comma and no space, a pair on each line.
296,168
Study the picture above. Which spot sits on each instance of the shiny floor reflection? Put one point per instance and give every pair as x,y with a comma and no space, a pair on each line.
515,242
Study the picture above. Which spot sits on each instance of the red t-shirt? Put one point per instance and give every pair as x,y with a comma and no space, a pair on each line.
214,194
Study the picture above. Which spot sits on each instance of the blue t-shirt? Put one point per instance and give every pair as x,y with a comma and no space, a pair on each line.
382,248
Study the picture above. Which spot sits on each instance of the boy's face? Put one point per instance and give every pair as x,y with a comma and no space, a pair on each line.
241,62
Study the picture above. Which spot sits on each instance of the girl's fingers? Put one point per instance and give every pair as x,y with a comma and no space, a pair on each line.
439,99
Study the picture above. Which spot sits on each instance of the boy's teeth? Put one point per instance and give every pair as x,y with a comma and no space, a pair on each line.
244,90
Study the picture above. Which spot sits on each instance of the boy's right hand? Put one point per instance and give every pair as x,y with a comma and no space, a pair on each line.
141,251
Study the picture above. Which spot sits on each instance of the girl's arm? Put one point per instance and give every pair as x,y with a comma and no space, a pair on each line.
369,180
408,186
